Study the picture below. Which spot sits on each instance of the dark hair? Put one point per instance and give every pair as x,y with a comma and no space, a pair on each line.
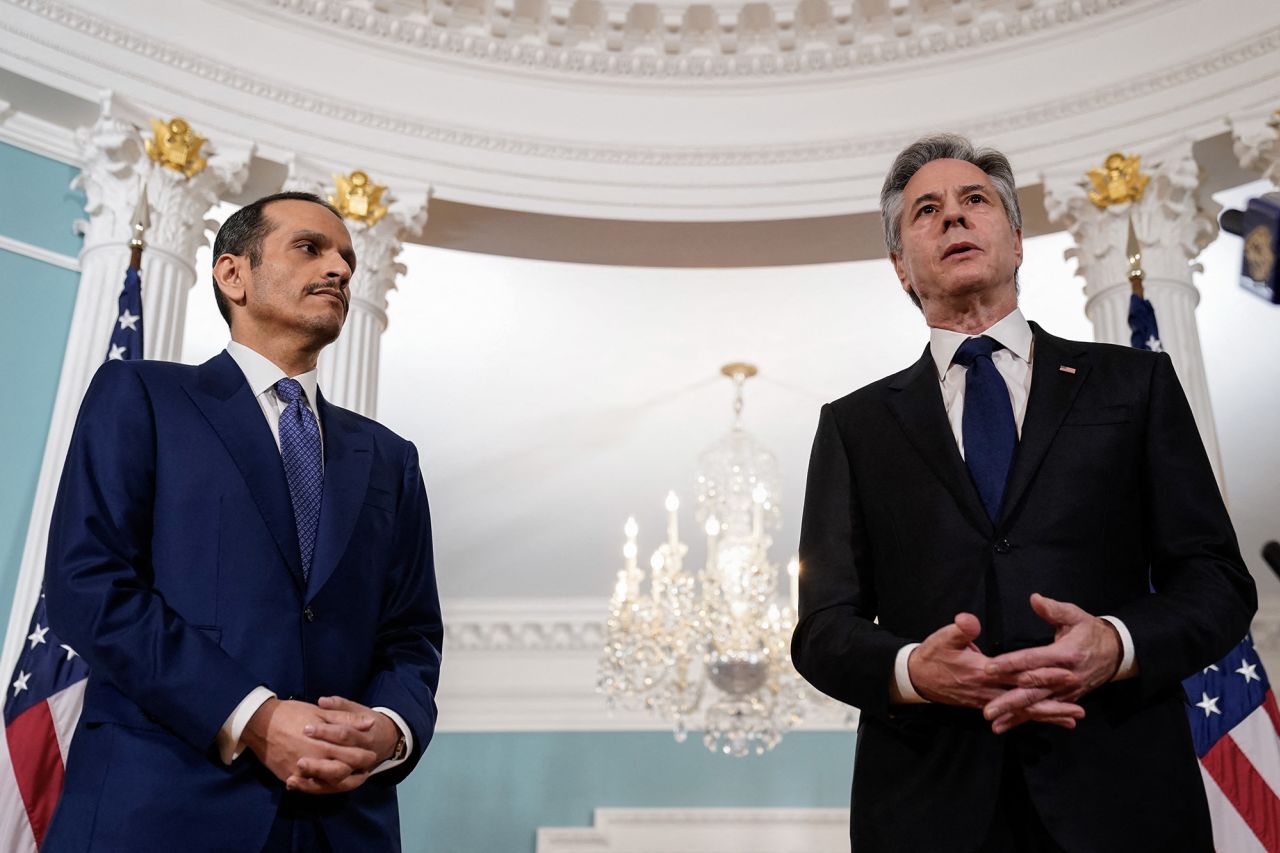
942,146
244,231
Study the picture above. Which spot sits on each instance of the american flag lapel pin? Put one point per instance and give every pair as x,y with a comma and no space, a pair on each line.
1066,368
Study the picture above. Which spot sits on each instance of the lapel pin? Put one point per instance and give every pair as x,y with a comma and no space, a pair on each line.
1065,369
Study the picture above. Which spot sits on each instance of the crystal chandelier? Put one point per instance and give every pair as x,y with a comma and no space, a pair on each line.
710,649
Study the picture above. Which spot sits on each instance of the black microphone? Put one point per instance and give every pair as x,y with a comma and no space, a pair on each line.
1232,221
1271,553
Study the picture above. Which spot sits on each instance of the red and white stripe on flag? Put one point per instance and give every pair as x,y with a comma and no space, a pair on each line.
1242,779
1235,725
32,758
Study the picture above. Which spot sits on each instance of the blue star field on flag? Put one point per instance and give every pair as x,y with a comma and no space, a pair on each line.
45,666
126,332
1222,694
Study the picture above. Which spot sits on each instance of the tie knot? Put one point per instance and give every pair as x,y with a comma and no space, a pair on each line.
975,348
290,390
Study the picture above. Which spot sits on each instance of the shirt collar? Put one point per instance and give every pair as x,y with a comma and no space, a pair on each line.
262,374
1014,332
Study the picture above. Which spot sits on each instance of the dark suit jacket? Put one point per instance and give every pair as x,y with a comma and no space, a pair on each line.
1110,495
173,569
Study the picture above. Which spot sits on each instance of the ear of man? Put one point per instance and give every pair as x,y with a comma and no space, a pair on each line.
229,272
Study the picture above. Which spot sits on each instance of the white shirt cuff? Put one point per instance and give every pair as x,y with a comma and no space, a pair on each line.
408,741
1128,664
906,691
229,745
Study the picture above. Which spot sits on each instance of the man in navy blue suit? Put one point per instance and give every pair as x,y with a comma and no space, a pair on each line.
247,570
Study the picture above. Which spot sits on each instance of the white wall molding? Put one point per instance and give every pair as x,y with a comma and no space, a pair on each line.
37,253
703,831
38,136
530,665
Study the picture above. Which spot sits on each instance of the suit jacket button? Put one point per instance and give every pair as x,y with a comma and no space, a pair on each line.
1003,546
309,615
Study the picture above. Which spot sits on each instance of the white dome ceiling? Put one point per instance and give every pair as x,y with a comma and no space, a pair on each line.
670,112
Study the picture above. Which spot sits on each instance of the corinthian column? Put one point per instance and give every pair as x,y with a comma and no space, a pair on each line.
378,221
1171,230
116,165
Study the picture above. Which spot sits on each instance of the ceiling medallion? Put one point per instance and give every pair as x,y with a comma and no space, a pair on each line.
710,649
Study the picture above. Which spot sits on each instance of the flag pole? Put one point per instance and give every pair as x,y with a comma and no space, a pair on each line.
140,222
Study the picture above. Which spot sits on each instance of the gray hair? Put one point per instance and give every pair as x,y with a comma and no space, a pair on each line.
942,146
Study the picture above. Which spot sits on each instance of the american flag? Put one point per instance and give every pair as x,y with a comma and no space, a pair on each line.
44,697
1234,719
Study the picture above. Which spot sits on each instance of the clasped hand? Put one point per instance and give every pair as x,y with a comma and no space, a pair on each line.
1040,684
320,749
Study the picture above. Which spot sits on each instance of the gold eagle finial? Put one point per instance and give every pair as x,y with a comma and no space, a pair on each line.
1118,181
176,146
358,198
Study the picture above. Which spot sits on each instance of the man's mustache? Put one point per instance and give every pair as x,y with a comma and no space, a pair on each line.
337,291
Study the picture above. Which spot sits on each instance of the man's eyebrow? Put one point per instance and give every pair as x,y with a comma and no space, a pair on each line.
929,196
322,240
964,190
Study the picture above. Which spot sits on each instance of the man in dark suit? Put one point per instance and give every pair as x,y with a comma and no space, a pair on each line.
247,571
1013,551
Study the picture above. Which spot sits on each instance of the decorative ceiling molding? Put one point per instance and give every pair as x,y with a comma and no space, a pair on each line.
242,83
698,41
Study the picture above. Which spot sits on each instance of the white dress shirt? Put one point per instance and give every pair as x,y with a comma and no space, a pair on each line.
1014,365
262,375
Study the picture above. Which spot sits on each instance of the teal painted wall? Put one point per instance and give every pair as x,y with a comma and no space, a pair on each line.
36,300
489,793
46,207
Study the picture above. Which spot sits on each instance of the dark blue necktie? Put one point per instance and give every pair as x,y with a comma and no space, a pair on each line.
300,450
987,427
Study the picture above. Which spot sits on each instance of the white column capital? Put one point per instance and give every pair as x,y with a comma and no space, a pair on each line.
1171,229
1255,137
116,164
378,250
349,366
377,246
1170,226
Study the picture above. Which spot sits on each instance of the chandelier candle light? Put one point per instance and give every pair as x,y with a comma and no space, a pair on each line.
711,650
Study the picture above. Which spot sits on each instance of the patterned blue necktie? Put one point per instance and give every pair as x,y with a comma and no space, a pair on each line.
987,426
300,450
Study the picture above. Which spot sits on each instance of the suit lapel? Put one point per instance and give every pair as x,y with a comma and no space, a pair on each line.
915,398
348,458
224,397
1053,390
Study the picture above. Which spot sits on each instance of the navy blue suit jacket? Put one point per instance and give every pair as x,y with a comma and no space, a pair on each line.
174,570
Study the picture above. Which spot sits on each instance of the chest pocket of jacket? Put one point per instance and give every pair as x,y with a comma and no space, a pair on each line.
1099,416
381,499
